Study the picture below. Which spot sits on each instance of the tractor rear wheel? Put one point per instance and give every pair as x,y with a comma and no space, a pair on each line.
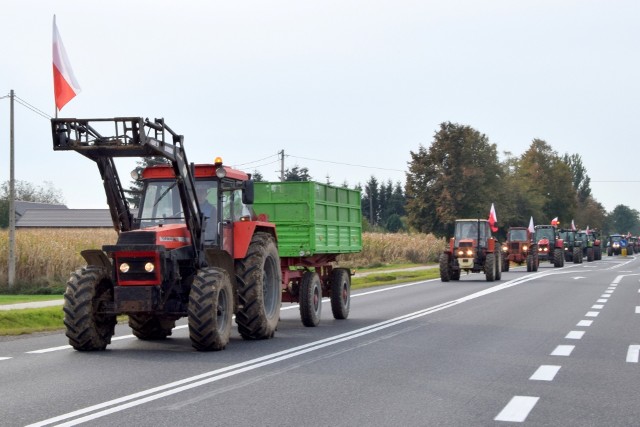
340,293
259,289
149,327
506,263
530,263
590,254
310,299
558,258
445,270
210,309
577,255
490,267
87,289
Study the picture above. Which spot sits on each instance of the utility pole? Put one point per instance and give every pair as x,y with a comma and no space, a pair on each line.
11,271
281,152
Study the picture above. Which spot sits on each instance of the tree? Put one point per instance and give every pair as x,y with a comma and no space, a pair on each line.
581,180
135,189
624,220
297,173
27,192
370,202
458,176
257,176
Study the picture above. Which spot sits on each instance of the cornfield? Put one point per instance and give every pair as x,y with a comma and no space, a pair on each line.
46,257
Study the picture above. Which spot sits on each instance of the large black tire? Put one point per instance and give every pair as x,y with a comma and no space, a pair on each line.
490,267
577,255
149,327
530,263
506,263
210,309
498,274
558,258
445,270
536,261
310,299
455,274
259,289
86,289
597,253
590,254
609,251
340,293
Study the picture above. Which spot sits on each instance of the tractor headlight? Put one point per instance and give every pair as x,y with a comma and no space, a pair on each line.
504,248
460,252
149,267
525,247
124,267
469,252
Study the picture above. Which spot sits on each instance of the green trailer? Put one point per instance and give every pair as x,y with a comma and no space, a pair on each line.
314,224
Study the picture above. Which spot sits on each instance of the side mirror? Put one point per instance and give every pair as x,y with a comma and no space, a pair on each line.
247,192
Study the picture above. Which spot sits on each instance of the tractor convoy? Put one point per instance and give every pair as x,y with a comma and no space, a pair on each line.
206,243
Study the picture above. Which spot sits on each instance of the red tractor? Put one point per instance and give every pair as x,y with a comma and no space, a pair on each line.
548,245
472,249
517,247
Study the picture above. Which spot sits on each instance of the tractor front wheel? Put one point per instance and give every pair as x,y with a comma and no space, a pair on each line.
490,267
445,269
88,289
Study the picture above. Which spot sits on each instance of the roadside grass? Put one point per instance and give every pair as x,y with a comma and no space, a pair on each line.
31,320
15,299
393,277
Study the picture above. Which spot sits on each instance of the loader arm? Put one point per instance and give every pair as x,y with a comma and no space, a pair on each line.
132,139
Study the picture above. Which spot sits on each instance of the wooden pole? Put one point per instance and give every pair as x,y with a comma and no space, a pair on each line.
11,270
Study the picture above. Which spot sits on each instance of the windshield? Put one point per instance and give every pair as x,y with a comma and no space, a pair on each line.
469,230
545,233
518,235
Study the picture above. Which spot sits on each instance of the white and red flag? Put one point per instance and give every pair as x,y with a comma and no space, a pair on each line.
531,226
554,221
65,85
493,219
573,226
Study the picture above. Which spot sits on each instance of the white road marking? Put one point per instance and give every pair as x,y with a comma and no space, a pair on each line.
592,313
633,354
5,358
637,309
575,335
578,277
605,296
602,300
608,291
585,323
597,306
545,373
517,409
563,350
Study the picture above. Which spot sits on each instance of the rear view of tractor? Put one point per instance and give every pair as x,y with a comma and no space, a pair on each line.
615,244
472,249
517,247
548,245
572,245
586,245
173,259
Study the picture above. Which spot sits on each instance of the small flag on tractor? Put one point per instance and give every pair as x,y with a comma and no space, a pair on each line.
531,226
555,221
493,219
573,226
65,85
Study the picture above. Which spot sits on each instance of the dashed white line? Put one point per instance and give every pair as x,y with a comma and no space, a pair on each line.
605,296
597,306
592,313
608,291
517,409
5,358
637,309
563,350
585,323
633,354
602,300
575,335
545,373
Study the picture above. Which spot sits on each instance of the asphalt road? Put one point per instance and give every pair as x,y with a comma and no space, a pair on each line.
554,348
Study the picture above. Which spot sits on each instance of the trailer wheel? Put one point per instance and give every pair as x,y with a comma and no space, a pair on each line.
340,293
259,289
445,272
210,309
149,327
86,290
310,299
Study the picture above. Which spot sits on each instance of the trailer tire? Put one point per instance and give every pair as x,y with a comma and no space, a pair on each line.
85,328
259,289
340,293
210,309
310,299
149,327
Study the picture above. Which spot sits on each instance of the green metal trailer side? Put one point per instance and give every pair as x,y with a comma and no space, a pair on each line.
311,218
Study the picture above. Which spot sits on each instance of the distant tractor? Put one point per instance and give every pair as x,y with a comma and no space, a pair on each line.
594,235
572,245
549,246
472,249
615,244
587,245
517,247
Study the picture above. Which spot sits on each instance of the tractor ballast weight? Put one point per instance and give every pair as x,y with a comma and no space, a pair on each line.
472,249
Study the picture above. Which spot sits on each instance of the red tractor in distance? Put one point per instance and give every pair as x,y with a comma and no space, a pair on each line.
517,247
548,245
472,249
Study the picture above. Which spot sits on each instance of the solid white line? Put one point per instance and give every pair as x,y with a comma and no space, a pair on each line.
592,313
597,306
602,300
545,373
633,354
563,350
517,409
585,323
5,358
575,335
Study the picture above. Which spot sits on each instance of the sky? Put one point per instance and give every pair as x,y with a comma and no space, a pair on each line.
348,89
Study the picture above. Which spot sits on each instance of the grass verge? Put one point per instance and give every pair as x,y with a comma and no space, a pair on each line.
30,320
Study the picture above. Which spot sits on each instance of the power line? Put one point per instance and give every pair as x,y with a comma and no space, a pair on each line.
346,164
256,161
32,108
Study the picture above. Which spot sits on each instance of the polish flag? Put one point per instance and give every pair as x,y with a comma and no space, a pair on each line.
65,85
573,226
493,219
531,227
554,221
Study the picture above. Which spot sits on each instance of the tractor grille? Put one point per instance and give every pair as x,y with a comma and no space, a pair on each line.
137,238
515,246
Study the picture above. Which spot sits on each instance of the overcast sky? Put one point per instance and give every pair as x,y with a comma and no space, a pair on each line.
346,88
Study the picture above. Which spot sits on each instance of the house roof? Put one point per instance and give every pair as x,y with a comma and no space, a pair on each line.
21,206
71,218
